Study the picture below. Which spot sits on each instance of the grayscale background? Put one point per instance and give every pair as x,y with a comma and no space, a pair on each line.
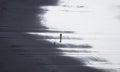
59,35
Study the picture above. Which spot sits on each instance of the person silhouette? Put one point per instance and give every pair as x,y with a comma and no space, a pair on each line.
60,37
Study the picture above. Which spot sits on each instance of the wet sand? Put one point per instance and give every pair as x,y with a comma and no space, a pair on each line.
23,52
